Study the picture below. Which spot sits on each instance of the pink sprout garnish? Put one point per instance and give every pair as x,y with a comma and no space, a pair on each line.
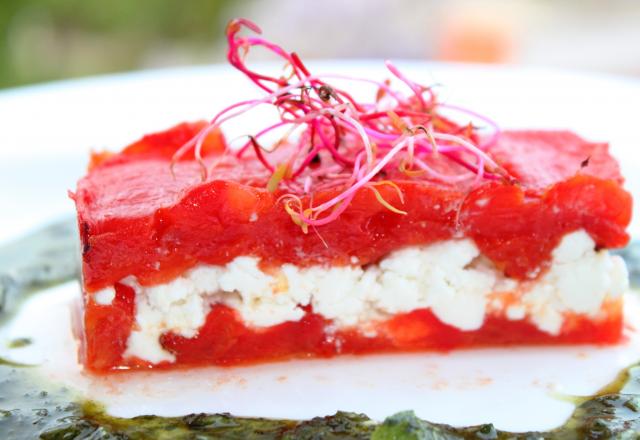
357,142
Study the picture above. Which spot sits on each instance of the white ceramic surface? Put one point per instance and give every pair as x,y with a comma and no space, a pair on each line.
47,131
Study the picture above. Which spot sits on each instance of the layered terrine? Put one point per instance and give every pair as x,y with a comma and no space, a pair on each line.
380,226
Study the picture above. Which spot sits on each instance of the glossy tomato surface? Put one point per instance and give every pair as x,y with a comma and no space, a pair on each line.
140,216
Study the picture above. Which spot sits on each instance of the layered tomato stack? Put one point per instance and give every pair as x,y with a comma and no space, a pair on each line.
378,228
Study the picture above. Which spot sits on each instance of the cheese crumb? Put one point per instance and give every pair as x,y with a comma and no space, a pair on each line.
105,296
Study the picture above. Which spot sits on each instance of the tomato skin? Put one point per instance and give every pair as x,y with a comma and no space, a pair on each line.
518,233
225,341
162,145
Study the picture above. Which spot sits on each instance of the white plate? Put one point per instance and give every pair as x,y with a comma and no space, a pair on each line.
48,130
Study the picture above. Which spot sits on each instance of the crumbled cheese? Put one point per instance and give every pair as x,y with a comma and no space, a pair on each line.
105,296
146,345
451,278
579,279
516,312
440,277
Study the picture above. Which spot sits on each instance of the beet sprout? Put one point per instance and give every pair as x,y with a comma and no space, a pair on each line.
415,88
494,127
336,145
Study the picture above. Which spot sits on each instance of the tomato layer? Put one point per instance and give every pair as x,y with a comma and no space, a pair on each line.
225,340
136,218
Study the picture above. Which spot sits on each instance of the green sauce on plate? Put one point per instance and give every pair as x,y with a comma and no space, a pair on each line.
31,409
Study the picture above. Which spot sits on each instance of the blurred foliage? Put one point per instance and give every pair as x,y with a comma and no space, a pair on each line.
52,39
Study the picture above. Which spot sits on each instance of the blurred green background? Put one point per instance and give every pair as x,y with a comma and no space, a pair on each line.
45,40
53,39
